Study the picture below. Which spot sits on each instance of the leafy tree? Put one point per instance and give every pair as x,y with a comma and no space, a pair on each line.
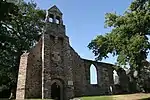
128,39
7,10
19,31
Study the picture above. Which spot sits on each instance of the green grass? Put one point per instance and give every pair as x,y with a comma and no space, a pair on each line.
138,96
97,98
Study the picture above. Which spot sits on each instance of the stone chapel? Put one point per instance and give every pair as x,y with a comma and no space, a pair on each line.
52,69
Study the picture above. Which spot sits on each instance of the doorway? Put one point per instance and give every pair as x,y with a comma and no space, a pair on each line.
55,91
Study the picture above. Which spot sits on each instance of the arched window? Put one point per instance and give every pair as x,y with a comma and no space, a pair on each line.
115,77
93,74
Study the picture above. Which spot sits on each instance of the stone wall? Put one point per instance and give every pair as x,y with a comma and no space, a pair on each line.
20,93
61,64
34,72
104,78
68,69
57,61
81,73
78,74
30,75
123,86
54,61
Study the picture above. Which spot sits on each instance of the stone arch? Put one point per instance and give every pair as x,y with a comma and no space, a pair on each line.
93,74
57,88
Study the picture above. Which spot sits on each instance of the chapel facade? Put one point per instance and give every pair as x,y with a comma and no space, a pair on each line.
53,69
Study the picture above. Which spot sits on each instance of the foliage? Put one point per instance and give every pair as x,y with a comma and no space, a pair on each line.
7,10
20,27
128,39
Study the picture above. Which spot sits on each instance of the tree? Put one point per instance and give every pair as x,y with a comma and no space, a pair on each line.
6,12
128,39
18,32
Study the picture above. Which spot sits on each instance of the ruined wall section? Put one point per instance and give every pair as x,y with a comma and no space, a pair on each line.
123,80
29,77
20,93
104,78
78,74
33,87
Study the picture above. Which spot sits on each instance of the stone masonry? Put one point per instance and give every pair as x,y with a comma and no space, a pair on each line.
52,69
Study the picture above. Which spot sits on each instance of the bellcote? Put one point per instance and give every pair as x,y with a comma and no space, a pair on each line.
54,15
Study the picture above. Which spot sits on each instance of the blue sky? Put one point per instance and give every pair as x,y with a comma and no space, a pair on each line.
84,20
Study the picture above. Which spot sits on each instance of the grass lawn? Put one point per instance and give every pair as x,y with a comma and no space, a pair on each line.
97,98
138,96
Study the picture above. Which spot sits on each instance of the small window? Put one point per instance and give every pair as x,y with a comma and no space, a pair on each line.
57,20
93,74
111,89
50,19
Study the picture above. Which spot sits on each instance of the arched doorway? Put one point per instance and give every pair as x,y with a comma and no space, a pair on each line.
57,90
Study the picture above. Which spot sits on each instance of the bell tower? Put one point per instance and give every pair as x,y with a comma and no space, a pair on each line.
57,64
54,21
55,15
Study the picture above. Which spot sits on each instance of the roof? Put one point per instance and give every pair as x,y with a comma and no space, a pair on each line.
55,9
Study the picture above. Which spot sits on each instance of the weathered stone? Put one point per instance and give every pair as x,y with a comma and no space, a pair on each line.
54,65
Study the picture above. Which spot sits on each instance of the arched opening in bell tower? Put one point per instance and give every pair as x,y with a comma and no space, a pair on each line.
57,20
55,15
51,18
